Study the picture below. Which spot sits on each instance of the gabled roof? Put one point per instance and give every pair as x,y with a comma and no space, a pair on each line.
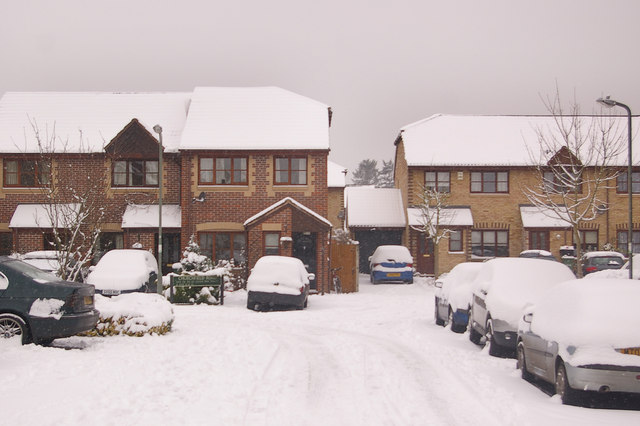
501,140
284,201
367,206
86,121
254,118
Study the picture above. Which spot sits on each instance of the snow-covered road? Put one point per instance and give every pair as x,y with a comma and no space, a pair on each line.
370,358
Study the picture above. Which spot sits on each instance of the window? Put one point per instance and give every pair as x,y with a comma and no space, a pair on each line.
623,239
107,241
554,181
455,240
290,171
490,182
224,246
271,243
438,181
539,240
490,243
589,240
26,173
223,170
622,187
135,173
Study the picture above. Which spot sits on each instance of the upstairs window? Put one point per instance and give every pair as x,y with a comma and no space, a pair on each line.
135,173
27,173
490,182
560,182
223,171
437,181
290,171
621,184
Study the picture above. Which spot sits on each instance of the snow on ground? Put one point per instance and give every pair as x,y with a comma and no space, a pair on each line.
369,358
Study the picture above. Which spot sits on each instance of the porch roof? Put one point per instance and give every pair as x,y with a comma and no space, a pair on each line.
146,216
536,217
43,215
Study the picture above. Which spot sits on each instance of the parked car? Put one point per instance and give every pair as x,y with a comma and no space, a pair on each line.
278,281
391,263
124,271
595,261
36,306
453,295
47,260
583,336
502,289
537,254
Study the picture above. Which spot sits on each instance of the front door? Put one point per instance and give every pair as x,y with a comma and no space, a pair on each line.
425,261
304,248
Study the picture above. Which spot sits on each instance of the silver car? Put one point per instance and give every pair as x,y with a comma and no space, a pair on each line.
583,336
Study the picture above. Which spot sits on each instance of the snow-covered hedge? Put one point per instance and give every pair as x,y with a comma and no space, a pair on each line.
133,314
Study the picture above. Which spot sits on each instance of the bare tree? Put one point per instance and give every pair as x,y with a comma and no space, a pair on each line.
433,219
73,201
575,167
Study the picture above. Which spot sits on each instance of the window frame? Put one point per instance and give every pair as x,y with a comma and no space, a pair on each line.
437,181
301,172
214,170
483,182
550,183
210,248
459,240
621,238
129,173
276,248
41,172
585,248
495,244
621,183
546,244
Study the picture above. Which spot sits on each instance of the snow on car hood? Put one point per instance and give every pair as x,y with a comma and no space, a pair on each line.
121,270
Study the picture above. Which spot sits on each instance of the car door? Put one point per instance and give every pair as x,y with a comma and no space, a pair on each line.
479,308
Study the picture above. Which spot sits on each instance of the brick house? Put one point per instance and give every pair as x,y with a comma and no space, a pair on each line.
484,163
228,155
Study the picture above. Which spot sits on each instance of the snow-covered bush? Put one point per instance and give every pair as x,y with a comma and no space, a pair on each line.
132,314
192,259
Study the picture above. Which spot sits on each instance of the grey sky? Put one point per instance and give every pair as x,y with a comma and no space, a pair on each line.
379,64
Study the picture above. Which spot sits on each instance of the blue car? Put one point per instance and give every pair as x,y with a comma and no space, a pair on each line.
453,296
391,264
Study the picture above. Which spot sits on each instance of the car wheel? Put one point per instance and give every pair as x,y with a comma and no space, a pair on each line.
373,280
567,394
494,348
439,321
12,326
522,363
410,281
474,336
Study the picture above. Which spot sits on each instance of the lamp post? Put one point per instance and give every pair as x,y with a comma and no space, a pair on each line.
610,103
158,130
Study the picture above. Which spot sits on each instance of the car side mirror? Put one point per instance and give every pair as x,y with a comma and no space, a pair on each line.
528,318
311,277
438,284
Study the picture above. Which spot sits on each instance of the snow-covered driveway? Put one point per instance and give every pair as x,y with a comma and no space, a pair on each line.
371,358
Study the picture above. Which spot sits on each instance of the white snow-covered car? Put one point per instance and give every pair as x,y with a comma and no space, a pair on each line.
391,263
502,290
124,271
453,295
47,260
278,281
583,336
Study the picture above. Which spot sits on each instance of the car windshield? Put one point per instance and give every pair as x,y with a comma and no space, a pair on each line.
607,260
32,272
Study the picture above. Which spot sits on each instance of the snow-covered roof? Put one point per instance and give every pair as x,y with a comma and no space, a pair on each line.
461,140
336,176
280,203
449,216
254,118
374,207
538,217
146,216
43,215
86,121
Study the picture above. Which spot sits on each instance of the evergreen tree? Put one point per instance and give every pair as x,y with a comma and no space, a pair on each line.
366,173
385,176
192,260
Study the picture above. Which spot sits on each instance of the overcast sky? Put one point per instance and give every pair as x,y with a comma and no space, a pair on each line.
379,64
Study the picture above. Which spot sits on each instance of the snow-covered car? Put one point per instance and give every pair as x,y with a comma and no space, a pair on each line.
537,254
278,281
453,295
391,263
47,260
502,290
595,261
124,271
583,336
619,273
36,306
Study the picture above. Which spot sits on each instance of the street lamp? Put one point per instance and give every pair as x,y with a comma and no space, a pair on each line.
610,103
158,130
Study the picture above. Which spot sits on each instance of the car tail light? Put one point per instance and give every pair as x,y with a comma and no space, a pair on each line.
409,265
301,289
590,269
376,264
